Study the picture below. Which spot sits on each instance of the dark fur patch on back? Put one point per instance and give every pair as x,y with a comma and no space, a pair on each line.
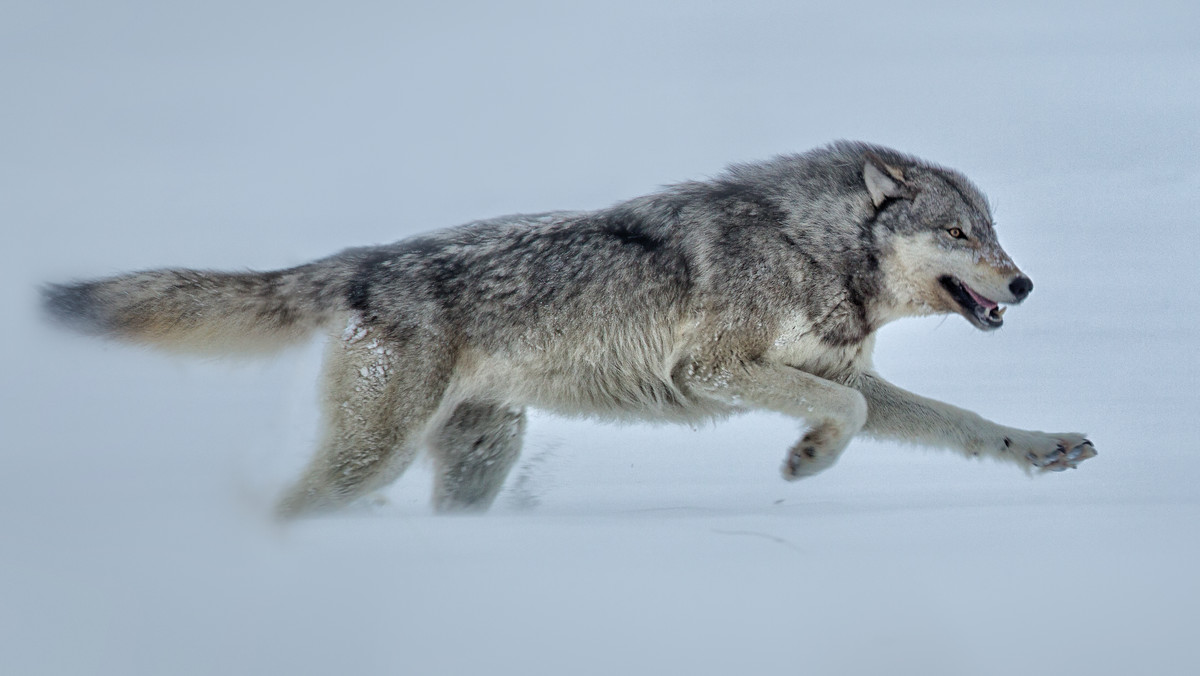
360,289
358,294
628,234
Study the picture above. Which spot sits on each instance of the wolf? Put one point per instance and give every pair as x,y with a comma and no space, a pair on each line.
762,288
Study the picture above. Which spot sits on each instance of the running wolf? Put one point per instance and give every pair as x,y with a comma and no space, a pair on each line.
762,288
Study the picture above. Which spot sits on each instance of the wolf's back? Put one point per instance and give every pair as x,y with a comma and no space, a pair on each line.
204,311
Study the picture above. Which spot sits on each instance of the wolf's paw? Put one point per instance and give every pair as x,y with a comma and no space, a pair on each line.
817,451
1051,452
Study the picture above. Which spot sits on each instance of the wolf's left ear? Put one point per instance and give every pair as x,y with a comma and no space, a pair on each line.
884,182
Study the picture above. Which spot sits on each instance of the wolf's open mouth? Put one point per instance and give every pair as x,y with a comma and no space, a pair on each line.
982,312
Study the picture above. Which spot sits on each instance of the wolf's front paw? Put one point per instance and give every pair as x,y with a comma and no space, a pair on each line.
816,452
1051,452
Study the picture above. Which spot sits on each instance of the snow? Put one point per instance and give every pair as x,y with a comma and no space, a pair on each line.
136,487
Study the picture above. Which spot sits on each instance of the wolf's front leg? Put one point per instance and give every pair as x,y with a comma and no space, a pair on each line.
897,414
835,412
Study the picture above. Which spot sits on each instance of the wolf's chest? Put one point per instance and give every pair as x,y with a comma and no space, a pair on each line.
800,343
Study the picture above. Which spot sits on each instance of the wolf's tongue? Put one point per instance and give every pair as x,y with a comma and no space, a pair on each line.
980,299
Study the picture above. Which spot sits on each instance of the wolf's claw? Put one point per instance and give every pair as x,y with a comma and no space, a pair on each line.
1064,457
817,451
1050,452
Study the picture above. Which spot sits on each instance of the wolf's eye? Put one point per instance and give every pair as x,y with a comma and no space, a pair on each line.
956,233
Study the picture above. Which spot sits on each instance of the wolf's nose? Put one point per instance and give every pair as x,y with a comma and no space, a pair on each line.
1020,287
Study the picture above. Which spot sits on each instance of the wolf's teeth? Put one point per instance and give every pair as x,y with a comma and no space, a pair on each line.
1000,311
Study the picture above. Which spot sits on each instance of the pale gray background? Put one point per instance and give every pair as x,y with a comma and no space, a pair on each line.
134,486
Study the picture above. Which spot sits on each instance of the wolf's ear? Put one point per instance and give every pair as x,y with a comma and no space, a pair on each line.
884,182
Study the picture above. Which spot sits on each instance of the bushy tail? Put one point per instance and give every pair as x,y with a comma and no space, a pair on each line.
203,311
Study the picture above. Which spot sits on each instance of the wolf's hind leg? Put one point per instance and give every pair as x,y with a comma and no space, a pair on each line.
473,452
379,395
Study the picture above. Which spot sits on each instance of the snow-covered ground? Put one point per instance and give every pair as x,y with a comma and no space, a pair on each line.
135,487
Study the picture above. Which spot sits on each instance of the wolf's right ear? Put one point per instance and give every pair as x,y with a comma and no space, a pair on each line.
884,182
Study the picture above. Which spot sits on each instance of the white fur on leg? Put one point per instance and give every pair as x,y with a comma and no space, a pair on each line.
894,413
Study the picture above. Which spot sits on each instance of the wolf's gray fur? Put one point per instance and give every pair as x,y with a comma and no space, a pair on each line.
760,289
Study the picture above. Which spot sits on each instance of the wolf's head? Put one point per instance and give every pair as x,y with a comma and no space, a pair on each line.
938,249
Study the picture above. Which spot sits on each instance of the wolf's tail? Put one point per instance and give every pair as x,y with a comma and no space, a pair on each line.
203,311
